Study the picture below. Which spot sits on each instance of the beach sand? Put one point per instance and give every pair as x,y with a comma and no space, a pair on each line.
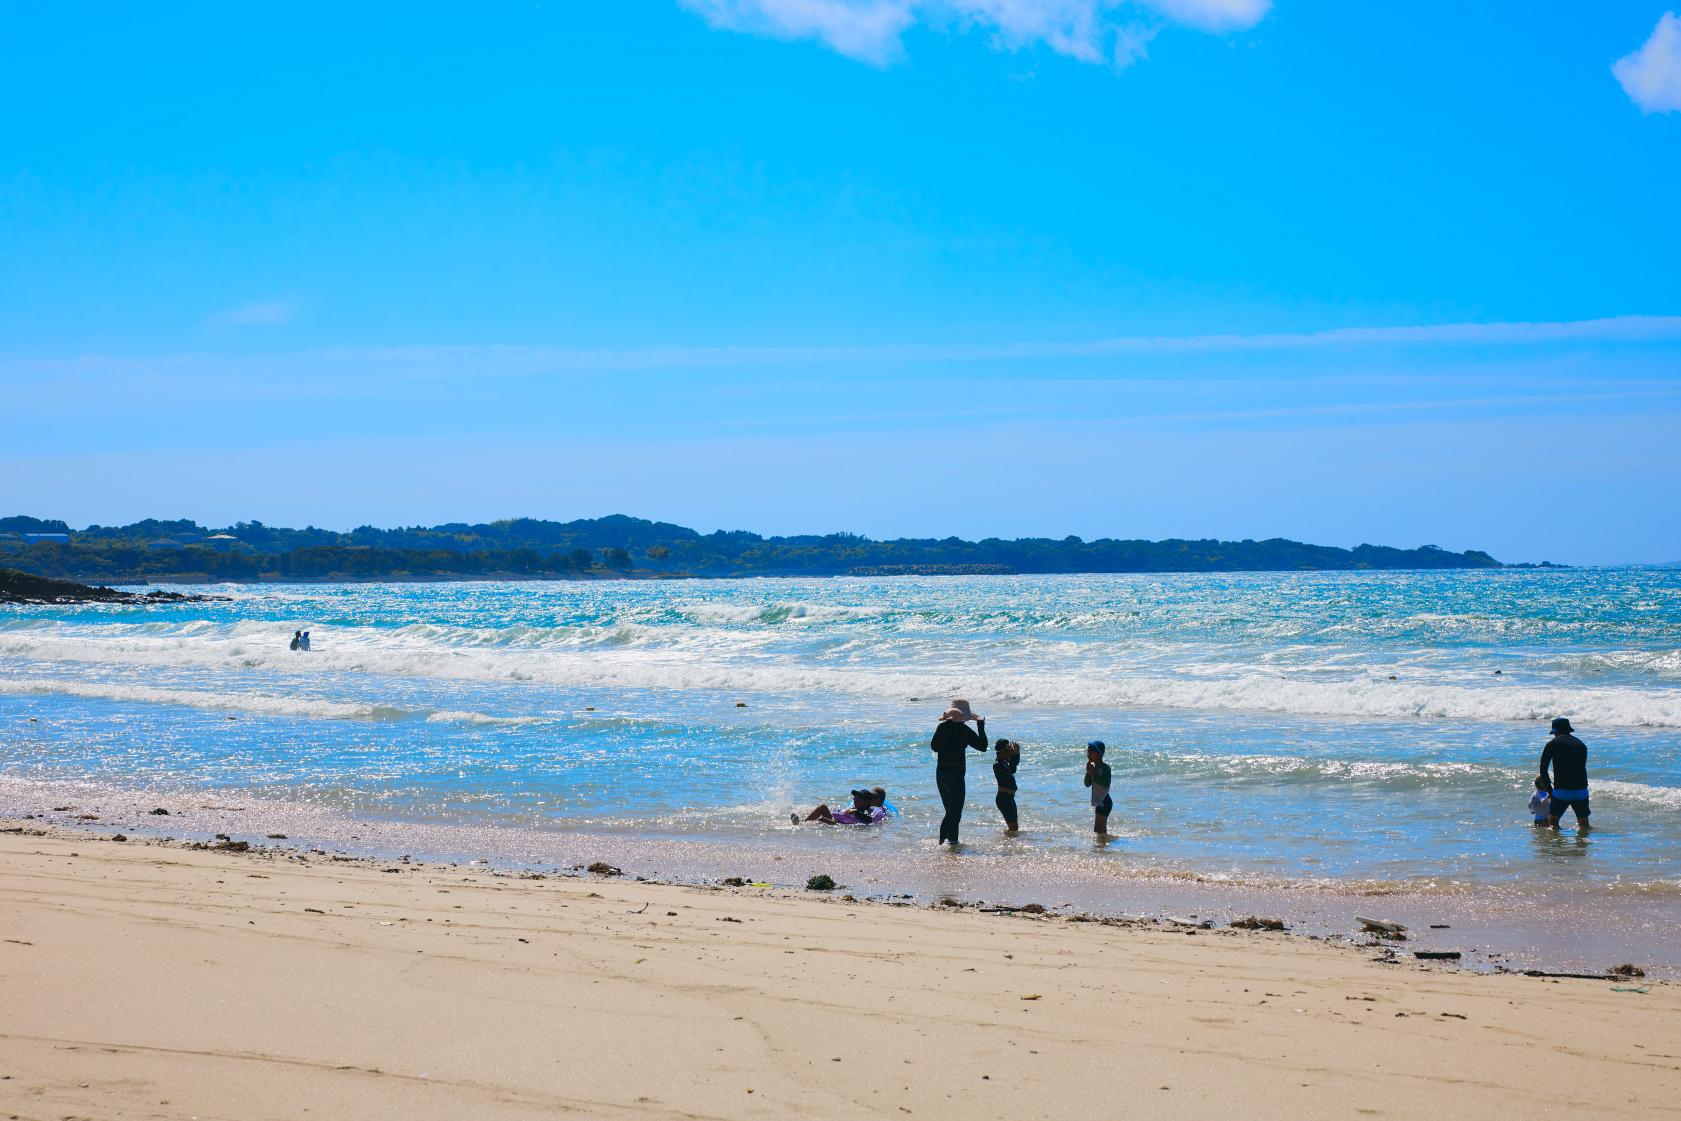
143,979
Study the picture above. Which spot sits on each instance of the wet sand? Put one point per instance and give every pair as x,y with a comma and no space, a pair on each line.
1495,928
144,979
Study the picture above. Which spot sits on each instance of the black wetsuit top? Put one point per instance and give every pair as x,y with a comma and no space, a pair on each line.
1569,758
952,738
1005,772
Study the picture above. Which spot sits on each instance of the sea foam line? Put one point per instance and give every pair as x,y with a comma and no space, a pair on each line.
1362,694
261,704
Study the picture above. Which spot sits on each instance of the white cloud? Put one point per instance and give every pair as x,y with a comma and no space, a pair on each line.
1651,76
1114,31
1213,15
263,313
868,30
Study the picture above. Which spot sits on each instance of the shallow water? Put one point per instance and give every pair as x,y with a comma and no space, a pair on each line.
1255,731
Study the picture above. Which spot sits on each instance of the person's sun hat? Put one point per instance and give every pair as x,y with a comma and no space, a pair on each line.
964,712
1560,724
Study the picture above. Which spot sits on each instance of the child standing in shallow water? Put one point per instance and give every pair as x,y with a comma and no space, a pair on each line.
1004,766
1097,777
1541,802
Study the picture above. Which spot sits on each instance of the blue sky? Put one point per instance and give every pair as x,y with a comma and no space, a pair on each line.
1342,272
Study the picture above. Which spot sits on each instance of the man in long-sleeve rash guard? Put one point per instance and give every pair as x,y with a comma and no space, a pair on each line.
1568,758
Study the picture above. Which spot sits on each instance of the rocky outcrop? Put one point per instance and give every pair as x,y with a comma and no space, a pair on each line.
21,587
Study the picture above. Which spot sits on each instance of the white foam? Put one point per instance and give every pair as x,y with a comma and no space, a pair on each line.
870,666
450,716
1666,797
261,704
774,613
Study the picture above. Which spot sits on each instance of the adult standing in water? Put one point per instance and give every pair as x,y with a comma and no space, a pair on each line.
952,738
1568,757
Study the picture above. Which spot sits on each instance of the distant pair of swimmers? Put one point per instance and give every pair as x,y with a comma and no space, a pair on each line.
300,640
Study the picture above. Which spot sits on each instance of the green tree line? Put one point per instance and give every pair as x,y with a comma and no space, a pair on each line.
620,545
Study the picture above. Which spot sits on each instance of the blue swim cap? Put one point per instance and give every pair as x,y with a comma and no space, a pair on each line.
1095,745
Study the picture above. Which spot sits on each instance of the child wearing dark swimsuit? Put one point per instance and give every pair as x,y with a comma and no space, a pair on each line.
1004,766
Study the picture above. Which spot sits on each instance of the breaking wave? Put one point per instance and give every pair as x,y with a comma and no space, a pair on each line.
617,658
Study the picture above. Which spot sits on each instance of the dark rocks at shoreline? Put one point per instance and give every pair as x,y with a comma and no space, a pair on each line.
23,588
932,570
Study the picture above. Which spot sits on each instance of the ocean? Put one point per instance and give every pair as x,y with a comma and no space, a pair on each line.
1311,736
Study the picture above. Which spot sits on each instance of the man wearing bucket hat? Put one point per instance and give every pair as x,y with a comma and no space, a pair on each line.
1568,758
952,739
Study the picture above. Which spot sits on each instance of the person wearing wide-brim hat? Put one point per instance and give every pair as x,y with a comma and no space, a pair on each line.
1568,758
952,740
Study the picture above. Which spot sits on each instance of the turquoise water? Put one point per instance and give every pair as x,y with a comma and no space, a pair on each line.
1347,728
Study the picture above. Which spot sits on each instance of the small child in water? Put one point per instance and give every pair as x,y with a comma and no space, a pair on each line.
1004,766
1541,802
1097,777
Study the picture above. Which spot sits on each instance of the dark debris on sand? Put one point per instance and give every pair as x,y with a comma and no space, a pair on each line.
1255,922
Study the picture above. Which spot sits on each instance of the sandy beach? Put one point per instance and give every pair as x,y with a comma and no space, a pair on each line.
144,979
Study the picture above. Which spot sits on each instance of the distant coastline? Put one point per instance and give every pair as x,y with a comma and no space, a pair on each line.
617,547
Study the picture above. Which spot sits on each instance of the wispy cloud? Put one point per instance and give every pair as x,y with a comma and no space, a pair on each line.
262,313
1629,328
518,359
1112,31
1651,76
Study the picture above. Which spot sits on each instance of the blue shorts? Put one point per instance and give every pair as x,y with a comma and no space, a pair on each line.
1576,800
1105,806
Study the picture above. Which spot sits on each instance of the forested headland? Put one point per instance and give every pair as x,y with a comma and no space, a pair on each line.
164,551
